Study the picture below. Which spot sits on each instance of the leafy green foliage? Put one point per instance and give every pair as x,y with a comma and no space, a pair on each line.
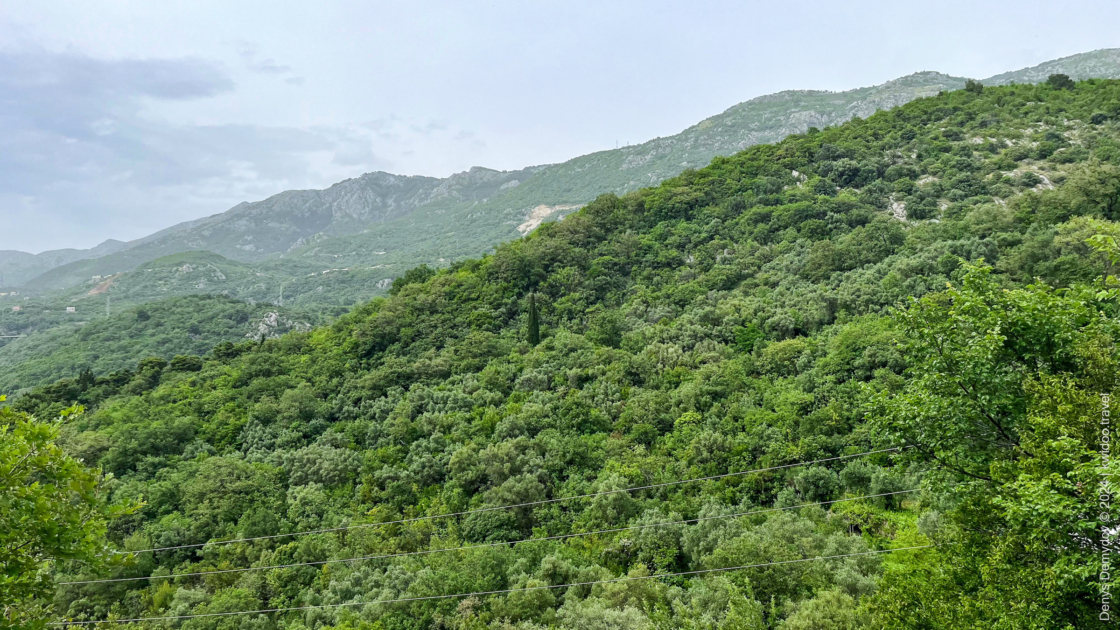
52,509
1005,397
534,326
732,318
416,275
1060,82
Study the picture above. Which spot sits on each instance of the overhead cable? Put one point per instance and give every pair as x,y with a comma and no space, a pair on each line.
516,505
494,592
482,546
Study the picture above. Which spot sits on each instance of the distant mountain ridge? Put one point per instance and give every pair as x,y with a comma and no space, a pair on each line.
1098,64
419,219
453,232
251,232
18,267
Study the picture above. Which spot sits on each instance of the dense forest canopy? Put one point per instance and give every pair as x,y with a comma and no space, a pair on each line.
934,277
323,251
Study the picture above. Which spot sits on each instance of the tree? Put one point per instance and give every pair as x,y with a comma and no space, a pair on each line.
534,321
606,328
1003,402
86,378
416,275
1094,188
185,363
52,508
830,610
1060,82
973,86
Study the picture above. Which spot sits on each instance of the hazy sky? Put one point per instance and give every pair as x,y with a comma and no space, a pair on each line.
121,118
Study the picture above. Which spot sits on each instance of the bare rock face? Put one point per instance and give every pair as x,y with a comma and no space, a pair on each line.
273,325
538,214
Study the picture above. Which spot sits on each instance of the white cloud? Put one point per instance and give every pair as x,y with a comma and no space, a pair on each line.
78,150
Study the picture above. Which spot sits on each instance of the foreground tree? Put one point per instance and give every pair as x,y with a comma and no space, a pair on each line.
1004,404
52,508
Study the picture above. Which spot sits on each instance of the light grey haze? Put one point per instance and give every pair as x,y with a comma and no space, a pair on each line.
121,118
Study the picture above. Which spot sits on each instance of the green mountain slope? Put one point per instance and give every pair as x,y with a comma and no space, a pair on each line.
731,319
420,220
290,280
16,267
452,231
54,342
265,229
318,250
190,325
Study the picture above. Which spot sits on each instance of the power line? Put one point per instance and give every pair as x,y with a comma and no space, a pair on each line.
482,546
496,592
517,505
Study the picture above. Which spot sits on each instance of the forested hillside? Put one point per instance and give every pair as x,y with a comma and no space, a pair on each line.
928,279
327,250
196,300
189,325
428,220
453,228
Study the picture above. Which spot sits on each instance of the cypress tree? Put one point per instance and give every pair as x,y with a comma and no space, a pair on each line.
534,321
86,379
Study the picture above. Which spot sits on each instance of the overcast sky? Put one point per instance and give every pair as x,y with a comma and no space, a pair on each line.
121,118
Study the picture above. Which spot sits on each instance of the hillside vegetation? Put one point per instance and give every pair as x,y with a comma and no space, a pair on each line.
324,251
192,298
927,278
428,220
190,325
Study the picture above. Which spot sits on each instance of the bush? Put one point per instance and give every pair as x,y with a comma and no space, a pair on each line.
185,363
416,275
1060,82
856,477
817,484
1029,179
